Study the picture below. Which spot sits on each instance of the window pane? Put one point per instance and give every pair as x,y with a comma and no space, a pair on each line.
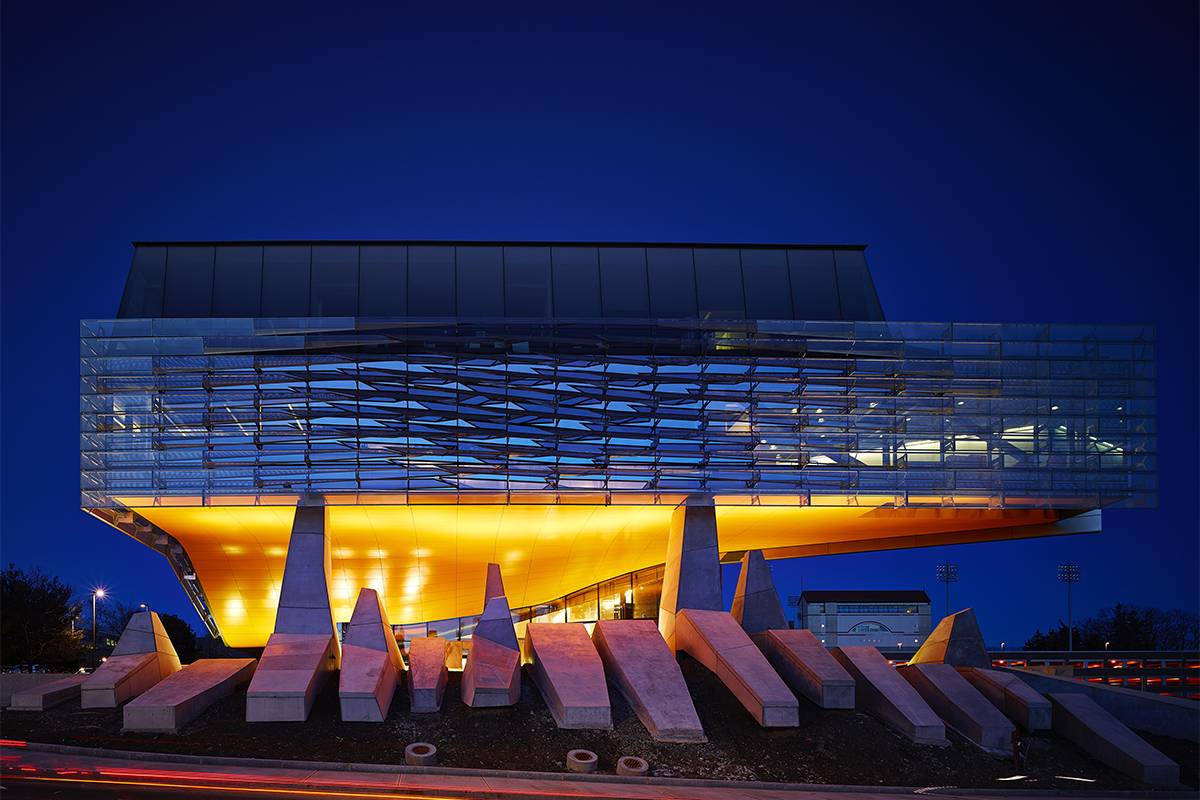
237,282
623,290
672,281
768,290
814,287
576,282
480,282
431,281
859,301
143,295
334,281
527,281
285,281
383,280
189,282
719,284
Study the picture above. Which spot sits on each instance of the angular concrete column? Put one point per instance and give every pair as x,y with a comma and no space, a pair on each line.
303,651
715,640
880,690
568,672
807,667
427,674
47,695
692,574
492,675
961,706
1108,740
180,698
1019,701
956,641
756,605
371,662
494,584
638,662
143,656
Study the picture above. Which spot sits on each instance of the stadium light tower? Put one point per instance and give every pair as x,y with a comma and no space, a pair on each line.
947,573
1068,573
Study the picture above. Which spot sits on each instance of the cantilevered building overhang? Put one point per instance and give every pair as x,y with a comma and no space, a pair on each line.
546,406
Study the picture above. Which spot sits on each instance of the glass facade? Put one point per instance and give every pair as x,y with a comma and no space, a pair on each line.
493,280
636,410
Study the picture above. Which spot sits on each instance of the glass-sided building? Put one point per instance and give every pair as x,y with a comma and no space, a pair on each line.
546,406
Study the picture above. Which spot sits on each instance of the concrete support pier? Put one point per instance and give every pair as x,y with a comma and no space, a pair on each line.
371,662
1108,740
1018,700
756,605
640,665
180,698
716,640
427,674
303,651
692,574
807,667
569,673
47,695
880,690
143,656
492,674
957,641
961,706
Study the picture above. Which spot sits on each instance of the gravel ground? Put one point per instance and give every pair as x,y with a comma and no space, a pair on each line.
834,747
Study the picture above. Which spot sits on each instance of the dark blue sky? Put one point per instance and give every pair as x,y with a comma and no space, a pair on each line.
1004,161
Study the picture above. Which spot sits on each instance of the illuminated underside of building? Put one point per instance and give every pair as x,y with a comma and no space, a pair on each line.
546,407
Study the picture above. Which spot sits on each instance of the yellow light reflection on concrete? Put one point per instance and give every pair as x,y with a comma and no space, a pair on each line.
429,561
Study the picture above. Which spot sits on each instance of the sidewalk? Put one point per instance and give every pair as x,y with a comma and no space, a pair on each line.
78,768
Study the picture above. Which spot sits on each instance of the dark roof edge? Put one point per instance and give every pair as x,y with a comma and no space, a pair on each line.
491,243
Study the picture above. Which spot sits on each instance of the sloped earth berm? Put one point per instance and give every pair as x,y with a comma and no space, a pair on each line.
834,747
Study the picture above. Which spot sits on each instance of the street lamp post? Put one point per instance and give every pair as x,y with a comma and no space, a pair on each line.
947,573
1068,573
96,593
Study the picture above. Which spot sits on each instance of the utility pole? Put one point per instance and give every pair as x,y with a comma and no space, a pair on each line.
947,573
96,593
1068,573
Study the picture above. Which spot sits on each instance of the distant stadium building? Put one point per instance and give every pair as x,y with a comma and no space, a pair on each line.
887,620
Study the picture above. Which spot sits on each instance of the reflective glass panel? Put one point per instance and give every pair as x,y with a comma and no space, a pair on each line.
383,280
623,290
576,275
334,281
719,283
237,281
814,285
480,282
859,301
768,288
286,277
189,282
143,295
527,281
431,281
672,281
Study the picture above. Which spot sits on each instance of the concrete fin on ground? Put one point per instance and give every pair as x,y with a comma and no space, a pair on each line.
956,641
143,656
303,651
492,674
716,640
1078,719
427,674
1018,700
692,573
180,698
756,605
640,665
47,695
879,690
371,662
961,706
807,667
568,672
